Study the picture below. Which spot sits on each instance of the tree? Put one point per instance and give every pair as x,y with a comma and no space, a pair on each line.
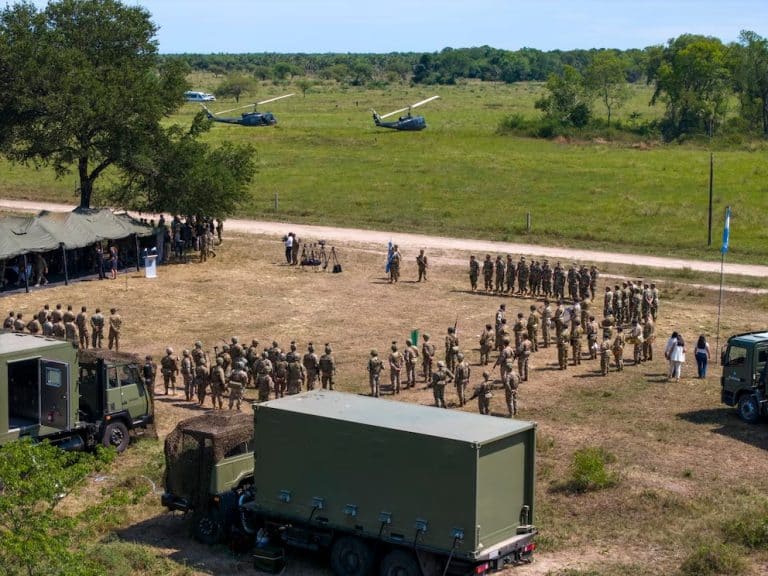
34,539
750,70
567,102
181,175
234,87
82,86
692,78
304,84
605,76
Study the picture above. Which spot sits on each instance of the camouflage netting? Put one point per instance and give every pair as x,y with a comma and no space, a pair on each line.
91,355
195,445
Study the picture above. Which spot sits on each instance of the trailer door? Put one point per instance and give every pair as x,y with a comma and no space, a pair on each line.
54,395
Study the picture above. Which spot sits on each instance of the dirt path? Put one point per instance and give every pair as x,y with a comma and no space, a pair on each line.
404,240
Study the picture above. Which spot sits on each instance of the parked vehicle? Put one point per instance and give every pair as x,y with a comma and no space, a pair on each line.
743,359
411,489
191,96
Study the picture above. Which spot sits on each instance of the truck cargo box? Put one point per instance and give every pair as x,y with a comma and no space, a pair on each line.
401,472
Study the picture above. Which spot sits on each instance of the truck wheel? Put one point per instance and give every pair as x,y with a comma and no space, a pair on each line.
116,434
749,408
209,528
399,563
351,556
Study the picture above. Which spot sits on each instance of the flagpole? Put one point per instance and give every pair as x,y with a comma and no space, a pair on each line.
723,250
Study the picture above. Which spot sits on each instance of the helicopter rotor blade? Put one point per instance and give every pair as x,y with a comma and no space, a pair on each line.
232,109
409,107
273,99
424,101
395,112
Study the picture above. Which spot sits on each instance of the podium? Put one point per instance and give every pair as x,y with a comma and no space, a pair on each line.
150,266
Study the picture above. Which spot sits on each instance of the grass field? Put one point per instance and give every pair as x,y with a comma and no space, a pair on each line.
689,476
328,164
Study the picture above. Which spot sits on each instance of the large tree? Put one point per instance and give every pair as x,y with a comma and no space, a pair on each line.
606,77
750,69
81,86
566,101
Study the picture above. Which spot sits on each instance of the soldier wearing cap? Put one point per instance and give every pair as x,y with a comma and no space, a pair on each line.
410,354
375,366
451,348
115,326
81,321
218,383
427,358
396,363
440,379
311,365
327,365
296,375
484,392
169,366
187,373
148,373
487,342
97,323
281,375
461,380
237,381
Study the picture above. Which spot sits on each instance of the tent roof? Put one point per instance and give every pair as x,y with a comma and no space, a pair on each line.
49,230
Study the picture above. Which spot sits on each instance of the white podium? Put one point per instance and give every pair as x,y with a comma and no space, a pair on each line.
150,266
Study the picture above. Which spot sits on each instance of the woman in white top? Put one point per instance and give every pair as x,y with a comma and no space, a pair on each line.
702,354
675,353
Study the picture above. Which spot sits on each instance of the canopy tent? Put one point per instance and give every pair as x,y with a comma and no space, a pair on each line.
53,230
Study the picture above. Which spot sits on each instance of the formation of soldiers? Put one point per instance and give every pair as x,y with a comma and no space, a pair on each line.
199,233
84,330
234,367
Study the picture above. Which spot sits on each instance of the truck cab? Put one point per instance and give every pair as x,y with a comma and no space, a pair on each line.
743,359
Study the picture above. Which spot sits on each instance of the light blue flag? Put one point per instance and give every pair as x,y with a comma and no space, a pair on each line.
726,230
390,252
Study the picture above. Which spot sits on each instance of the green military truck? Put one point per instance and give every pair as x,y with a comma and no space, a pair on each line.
76,400
409,489
743,359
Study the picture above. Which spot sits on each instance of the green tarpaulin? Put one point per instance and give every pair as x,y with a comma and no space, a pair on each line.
50,230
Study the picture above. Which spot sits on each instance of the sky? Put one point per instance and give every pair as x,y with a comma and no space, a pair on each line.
238,26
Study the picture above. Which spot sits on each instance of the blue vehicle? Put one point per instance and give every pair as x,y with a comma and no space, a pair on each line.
253,118
407,122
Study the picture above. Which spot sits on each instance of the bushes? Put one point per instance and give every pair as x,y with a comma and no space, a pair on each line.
713,560
589,472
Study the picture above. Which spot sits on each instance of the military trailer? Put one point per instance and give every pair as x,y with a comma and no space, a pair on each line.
743,359
48,390
411,489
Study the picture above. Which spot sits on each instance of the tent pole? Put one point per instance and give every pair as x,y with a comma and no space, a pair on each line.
66,272
26,276
138,263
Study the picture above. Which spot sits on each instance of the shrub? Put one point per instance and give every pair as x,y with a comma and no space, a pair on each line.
750,529
713,560
589,472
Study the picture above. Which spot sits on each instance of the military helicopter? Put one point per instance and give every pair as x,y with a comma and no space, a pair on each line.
404,122
247,118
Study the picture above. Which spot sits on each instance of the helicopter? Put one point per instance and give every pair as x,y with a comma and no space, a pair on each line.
404,122
247,118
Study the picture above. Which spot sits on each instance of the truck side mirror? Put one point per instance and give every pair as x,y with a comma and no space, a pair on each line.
722,356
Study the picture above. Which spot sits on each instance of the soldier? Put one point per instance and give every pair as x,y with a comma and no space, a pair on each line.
573,290
649,335
594,274
97,323
546,279
486,345
281,375
396,362
522,276
608,301
535,278
647,300
149,373
82,327
422,264
440,379
504,332
511,274
375,366
236,349
488,273
500,277
327,366
70,332
115,325
296,375
187,373
654,301
592,330
618,349
427,357
226,358
57,315
264,365
451,348
637,303
48,326
511,385
618,303
519,329
636,339
474,272
562,350
19,325
394,265
33,326
500,314
237,381
558,279
311,366
576,332
218,384
483,392
461,380
532,327
169,366
605,357
273,353
9,321
264,384
523,356
43,313
607,324
626,298
410,354
585,305
68,315
584,283
546,321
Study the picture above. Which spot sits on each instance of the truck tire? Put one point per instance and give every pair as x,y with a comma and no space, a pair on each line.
351,556
116,434
749,408
399,563
208,527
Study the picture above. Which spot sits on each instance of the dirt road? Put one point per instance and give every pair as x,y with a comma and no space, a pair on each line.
404,240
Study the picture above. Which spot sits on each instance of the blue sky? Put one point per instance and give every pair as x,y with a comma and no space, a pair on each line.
235,26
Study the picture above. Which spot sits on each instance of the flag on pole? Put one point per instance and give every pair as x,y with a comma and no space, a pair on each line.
726,230
390,252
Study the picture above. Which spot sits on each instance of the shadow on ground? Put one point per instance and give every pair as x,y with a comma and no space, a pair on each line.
726,422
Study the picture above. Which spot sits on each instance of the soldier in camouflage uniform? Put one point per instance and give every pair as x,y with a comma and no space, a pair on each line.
169,367
33,326
411,355
48,327
647,300
592,330
483,392
474,272
626,297
97,323
649,335
59,331
487,339
618,304
522,276
264,384
546,279
70,332
440,379
82,327
594,274
311,366
394,265
546,322
236,349
519,329
200,359
218,384
605,357
375,366
636,339
503,333
607,325
273,352
576,333
237,381
511,385
500,314
511,274
617,347
535,281
532,326
654,301
115,325
422,263
187,373
558,281
280,375
327,366
523,357
427,357
296,375
562,349
461,380
500,277
608,301
57,315
451,348
573,286
396,362
488,273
